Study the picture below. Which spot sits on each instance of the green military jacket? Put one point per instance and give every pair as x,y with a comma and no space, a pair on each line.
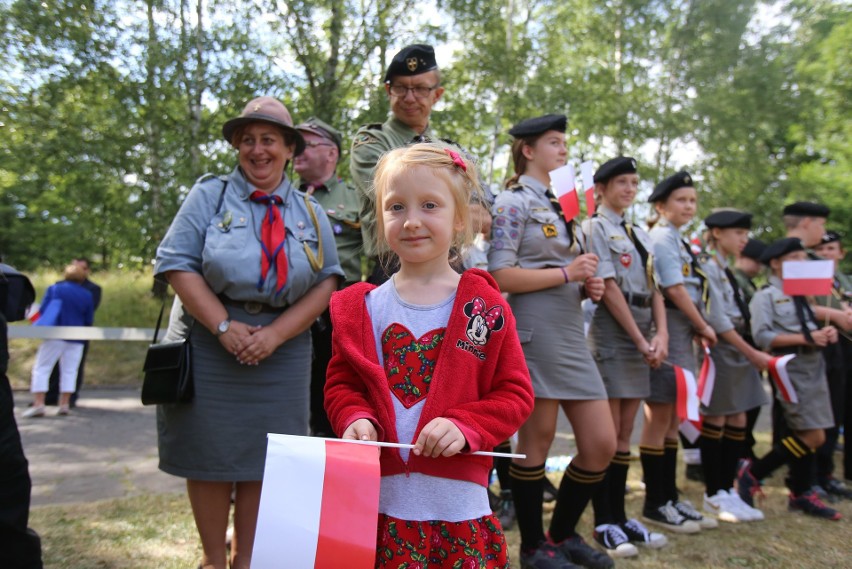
342,206
368,145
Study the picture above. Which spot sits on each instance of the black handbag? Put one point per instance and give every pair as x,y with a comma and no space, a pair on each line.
168,370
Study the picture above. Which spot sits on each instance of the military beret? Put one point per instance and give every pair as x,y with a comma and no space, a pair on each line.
615,167
780,248
830,237
807,209
539,125
680,180
754,249
412,60
322,129
726,218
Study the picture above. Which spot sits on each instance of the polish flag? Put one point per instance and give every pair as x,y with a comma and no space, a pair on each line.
691,430
778,372
807,278
706,378
687,398
588,179
319,505
563,181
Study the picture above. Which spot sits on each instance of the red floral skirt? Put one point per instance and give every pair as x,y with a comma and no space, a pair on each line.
471,544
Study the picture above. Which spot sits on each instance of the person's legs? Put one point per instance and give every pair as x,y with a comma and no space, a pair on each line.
69,362
81,371
246,503
47,355
211,507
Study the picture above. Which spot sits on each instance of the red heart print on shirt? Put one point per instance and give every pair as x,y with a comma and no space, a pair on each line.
409,362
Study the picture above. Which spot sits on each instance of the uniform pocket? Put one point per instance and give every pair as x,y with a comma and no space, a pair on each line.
603,353
543,216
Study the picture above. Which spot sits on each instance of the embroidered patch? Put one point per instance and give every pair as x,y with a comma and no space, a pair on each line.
500,221
549,230
482,321
497,244
500,210
513,212
498,232
410,363
626,259
513,234
685,269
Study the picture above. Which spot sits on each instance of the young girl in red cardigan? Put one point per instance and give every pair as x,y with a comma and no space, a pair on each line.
429,358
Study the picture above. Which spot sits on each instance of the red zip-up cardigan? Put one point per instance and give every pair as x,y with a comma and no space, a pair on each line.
484,388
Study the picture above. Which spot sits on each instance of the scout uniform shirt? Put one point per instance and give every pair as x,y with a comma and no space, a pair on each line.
774,313
673,261
725,314
370,142
341,204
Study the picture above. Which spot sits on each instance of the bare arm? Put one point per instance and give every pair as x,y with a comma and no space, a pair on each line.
518,280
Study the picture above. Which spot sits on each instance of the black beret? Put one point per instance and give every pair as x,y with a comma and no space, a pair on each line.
680,180
539,125
807,209
412,60
830,237
615,167
726,218
780,248
754,249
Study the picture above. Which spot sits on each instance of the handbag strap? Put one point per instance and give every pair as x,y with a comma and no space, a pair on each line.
159,320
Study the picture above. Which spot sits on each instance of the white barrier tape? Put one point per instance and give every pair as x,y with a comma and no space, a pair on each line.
81,333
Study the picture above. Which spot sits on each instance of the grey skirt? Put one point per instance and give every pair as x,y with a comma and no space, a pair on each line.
625,373
681,353
813,411
738,386
221,435
550,328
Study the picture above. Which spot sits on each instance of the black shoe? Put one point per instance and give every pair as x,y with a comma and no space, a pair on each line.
809,503
695,472
834,487
550,491
583,554
545,556
668,518
506,511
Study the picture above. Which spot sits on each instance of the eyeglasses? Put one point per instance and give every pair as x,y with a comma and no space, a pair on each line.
315,144
420,92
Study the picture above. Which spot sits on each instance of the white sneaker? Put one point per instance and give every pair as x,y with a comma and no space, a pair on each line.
721,506
752,513
612,540
34,412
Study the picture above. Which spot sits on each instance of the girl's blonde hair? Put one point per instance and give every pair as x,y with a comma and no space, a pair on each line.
447,162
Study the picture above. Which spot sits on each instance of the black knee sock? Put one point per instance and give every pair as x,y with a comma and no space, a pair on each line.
618,482
527,491
734,444
652,473
575,491
501,465
788,449
801,472
710,443
670,470
825,456
601,500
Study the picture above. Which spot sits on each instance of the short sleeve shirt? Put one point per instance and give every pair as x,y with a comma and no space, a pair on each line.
673,261
618,257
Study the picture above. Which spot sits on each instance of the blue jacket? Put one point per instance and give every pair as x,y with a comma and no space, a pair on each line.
66,304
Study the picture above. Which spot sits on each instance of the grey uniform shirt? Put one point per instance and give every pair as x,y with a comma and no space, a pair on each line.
224,245
673,261
773,313
618,257
526,231
724,314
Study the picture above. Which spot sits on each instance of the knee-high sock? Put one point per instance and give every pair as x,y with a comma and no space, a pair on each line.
527,491
734,447
618,482
575,491
788,449
652,472
501,465
602,500
670,469
801,472
710,443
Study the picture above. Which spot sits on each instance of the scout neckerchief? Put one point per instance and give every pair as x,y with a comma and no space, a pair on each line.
272,239
558,207
702,277
803,313
647,260
739,298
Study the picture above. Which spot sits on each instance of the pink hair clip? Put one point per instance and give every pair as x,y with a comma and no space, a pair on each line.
457,160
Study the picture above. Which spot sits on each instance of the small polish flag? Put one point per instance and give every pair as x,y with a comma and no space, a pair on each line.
563,181
778,372
706,378
687,398
319,505
691,430
807,278
588,179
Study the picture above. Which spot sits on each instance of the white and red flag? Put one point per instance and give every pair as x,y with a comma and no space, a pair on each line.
319,505
706,378
690,429
807,278
687,396
778,372
587,178
563,181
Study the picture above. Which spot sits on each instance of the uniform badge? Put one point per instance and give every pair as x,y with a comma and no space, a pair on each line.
338,229
549,230
411,62
626,259
685,269
300,225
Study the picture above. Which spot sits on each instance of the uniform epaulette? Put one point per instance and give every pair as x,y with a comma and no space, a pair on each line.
374,126
704,258
209,176
765,285
515,187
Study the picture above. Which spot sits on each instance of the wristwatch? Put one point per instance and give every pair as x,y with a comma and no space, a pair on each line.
223,327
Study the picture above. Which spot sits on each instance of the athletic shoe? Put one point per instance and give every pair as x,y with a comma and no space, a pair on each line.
639,534
545,556
747,484
809,503
64,410
550,491
34,412
581,553
688,511
751,513
821,493
667,517
506,511
834,487
614,542
721,506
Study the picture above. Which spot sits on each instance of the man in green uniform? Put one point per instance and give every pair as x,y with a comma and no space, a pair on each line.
317,169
